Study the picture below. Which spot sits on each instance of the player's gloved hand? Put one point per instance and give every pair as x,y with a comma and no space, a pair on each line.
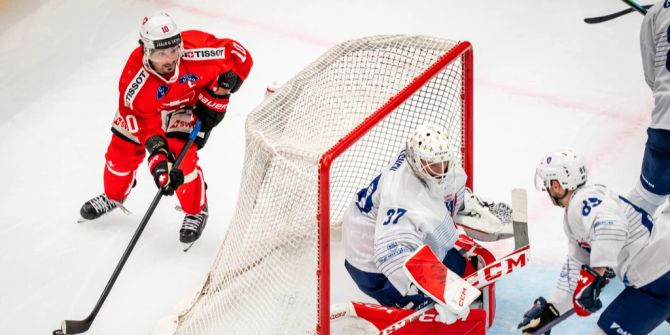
538,316
446,315
230,80
586,299
210,109
160,162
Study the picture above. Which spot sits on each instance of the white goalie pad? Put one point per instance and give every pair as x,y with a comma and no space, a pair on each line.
485,220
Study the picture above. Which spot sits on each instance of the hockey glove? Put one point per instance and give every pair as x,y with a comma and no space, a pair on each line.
538,316
210,109
586,299
445,315
166,178
485,220
230,80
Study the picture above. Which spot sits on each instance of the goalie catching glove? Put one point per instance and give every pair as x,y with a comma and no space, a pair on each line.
160,162
485,220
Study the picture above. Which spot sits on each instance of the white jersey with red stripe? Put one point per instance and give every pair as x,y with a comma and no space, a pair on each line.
604,229
395,215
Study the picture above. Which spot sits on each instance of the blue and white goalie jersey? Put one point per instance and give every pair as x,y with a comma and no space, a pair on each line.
606,230
396,214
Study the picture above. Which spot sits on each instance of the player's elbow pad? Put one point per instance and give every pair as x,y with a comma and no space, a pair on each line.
230,80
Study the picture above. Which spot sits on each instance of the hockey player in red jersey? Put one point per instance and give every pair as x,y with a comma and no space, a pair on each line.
170,80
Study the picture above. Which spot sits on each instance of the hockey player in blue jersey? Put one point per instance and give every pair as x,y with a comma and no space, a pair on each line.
608,236
653,186
411,203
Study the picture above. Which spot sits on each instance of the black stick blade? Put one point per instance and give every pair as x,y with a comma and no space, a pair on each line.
73,327
604,18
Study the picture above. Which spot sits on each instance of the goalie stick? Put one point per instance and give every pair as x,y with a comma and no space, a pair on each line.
495,270
81,326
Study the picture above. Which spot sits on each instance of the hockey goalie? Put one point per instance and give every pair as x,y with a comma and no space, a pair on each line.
418,208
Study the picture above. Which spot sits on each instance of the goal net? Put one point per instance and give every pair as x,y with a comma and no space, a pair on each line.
309,147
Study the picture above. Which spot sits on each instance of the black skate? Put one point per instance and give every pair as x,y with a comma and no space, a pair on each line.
192,227
97,207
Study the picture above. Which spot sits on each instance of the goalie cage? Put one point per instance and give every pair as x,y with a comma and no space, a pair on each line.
309,147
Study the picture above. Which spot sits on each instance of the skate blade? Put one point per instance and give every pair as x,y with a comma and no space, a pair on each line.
80,220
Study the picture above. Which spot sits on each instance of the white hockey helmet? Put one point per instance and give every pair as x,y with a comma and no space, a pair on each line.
159,32
430,156
565,166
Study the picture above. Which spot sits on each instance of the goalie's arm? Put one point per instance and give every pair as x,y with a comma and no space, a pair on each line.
394,243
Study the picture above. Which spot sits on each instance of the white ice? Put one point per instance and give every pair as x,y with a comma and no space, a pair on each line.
543,80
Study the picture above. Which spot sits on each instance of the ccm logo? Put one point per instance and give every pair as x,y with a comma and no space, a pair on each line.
337,315
502,268
461,299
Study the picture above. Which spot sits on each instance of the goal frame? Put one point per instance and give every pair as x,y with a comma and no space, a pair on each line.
461,50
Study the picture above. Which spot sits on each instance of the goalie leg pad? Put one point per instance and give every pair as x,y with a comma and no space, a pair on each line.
379,318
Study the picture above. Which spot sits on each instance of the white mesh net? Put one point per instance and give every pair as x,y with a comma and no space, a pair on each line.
264,280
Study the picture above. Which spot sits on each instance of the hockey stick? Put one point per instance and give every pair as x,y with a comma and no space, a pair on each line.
494,271
80,326
554,322
636,6
604,18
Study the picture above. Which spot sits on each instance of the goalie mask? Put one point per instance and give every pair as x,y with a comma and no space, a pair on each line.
161,42
564,166
430,157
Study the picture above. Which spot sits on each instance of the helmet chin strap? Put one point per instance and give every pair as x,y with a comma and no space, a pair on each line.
557,200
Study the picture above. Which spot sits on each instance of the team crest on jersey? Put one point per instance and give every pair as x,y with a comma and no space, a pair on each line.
189,78
162,90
